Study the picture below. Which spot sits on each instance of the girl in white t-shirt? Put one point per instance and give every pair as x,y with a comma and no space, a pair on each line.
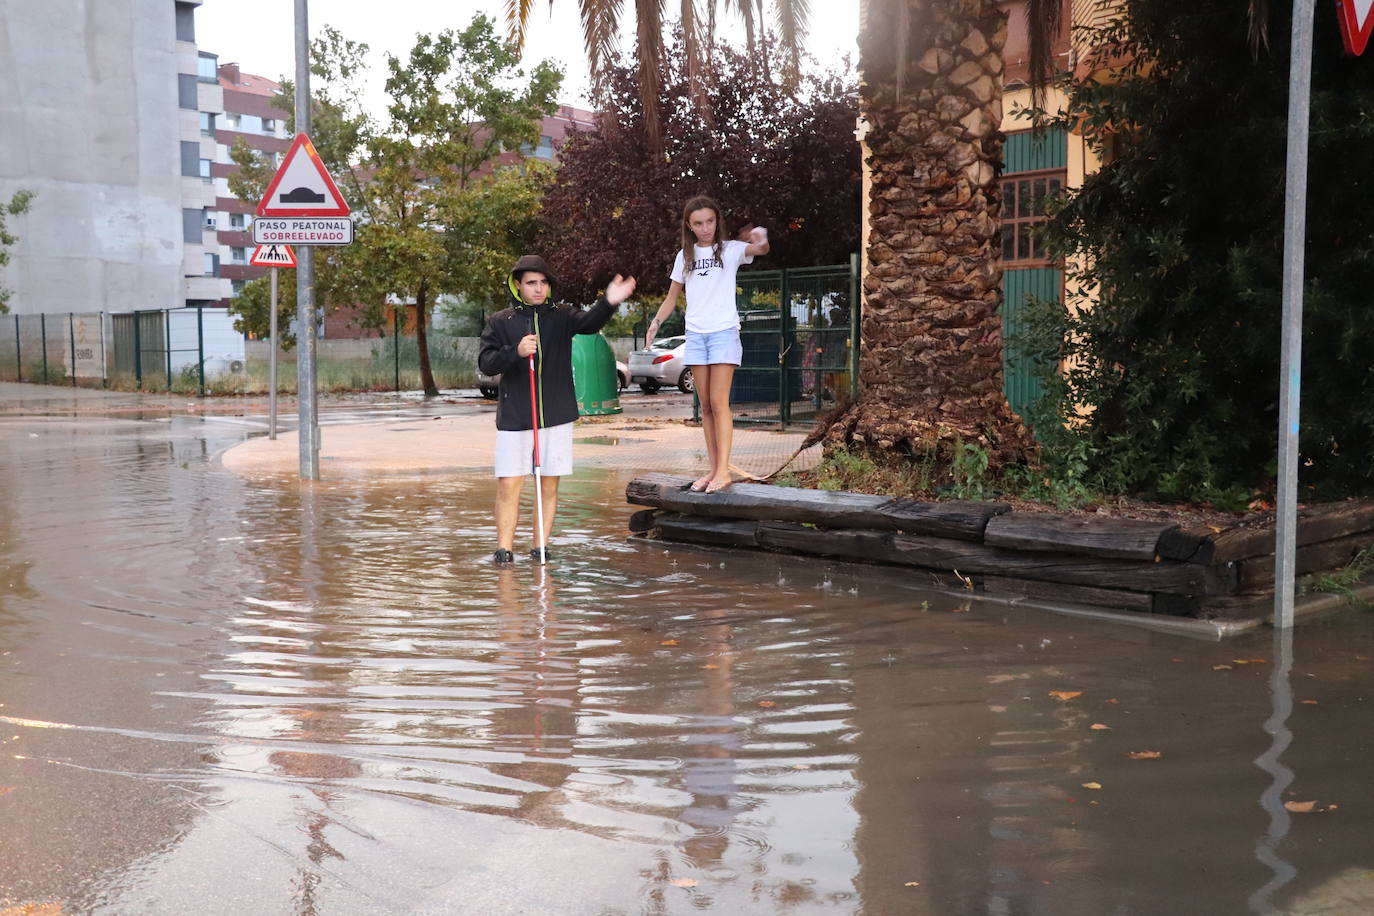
705,266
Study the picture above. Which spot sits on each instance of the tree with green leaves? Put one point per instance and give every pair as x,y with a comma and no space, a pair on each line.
458,102
18,204
1172,376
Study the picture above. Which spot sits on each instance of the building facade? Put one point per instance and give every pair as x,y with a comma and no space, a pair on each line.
102,106
249,117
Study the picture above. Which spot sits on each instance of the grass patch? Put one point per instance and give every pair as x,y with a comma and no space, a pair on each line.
1343,581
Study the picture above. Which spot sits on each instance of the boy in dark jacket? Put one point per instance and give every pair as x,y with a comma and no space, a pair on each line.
533,326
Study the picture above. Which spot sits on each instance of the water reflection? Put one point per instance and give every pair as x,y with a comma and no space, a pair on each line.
1276,726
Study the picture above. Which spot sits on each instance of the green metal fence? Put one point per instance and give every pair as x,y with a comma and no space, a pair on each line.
799,328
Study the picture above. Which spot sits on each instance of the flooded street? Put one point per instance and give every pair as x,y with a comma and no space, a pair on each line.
231,695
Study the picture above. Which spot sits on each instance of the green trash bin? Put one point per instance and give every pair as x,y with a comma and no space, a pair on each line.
594,378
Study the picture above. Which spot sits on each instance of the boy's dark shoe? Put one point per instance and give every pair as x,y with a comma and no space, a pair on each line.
502,555
535,555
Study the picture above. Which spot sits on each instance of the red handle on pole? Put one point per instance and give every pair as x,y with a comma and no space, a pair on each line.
534,412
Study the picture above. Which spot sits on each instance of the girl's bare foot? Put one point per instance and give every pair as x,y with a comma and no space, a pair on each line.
701,483
717,484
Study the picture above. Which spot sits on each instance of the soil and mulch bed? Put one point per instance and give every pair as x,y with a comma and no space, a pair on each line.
1123,555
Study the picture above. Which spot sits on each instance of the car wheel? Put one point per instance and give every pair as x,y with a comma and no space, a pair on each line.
649,387
623,380
488,392
685,383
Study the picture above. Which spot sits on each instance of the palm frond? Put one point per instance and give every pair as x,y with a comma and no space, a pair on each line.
1259,26
792,16
518,20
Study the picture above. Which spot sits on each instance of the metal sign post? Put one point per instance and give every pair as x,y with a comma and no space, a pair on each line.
272,364
1290,362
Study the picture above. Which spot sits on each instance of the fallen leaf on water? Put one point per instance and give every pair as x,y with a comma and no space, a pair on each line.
1144,755
1362,658
1176,660
668,642
1306,807
767,704
1250,661
1092,785
1113,701
1065,694
912,884
1215,528
1309,702
710,667
683,882
1099,727
1223,667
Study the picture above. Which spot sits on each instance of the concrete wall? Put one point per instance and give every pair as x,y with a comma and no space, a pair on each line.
88,104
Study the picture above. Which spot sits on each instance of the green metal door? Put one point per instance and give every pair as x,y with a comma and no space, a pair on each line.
1018,369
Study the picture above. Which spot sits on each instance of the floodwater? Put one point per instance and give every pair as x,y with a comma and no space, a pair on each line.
230,696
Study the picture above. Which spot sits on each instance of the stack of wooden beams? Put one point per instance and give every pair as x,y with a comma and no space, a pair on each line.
1097,561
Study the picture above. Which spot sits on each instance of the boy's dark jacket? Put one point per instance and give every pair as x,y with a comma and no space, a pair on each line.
553,362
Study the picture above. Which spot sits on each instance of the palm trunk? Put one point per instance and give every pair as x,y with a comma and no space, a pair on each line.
422,340
931,364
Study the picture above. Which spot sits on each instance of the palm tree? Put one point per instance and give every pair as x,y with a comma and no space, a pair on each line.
931,366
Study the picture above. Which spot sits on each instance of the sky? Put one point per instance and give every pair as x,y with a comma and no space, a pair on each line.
259,34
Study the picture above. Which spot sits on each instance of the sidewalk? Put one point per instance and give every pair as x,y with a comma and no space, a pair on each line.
456,436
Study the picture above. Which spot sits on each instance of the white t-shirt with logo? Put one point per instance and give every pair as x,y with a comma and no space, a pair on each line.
710,286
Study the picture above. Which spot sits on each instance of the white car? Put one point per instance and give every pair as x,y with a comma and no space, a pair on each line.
660,365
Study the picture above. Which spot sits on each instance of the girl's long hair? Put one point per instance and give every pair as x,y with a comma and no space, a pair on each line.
689,238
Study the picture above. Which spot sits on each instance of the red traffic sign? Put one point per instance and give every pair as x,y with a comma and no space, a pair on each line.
273,256
1357,22
302,186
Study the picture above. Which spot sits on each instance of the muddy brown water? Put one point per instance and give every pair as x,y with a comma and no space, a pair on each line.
234,696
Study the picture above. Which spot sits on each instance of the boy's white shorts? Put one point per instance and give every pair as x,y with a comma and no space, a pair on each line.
515,452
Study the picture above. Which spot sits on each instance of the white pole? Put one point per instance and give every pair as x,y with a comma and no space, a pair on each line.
272,364
1290,363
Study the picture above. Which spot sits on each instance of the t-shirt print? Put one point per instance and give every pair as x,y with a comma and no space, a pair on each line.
709,284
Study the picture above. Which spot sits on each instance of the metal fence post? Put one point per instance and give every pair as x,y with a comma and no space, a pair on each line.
854,326
43,342
138,350
785,342
167,343
396,346
71,333
18,360
200,346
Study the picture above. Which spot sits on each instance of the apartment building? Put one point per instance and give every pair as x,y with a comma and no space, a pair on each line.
249,116
102,106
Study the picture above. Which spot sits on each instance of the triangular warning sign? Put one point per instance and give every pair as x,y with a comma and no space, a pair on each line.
273,256
1357,22
302,186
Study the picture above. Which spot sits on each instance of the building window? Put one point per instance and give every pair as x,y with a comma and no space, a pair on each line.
237,221
205,170
207,124
187,91
207,68
238,255
210,219
1023,213
269,126
186,22
236,287
234,120
211,264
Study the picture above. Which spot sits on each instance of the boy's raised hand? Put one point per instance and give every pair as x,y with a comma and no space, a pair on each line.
620,289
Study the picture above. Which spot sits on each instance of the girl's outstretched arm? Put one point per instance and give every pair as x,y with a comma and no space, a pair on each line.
756,241
664,310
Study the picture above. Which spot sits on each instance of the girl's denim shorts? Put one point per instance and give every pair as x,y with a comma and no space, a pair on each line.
715,348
